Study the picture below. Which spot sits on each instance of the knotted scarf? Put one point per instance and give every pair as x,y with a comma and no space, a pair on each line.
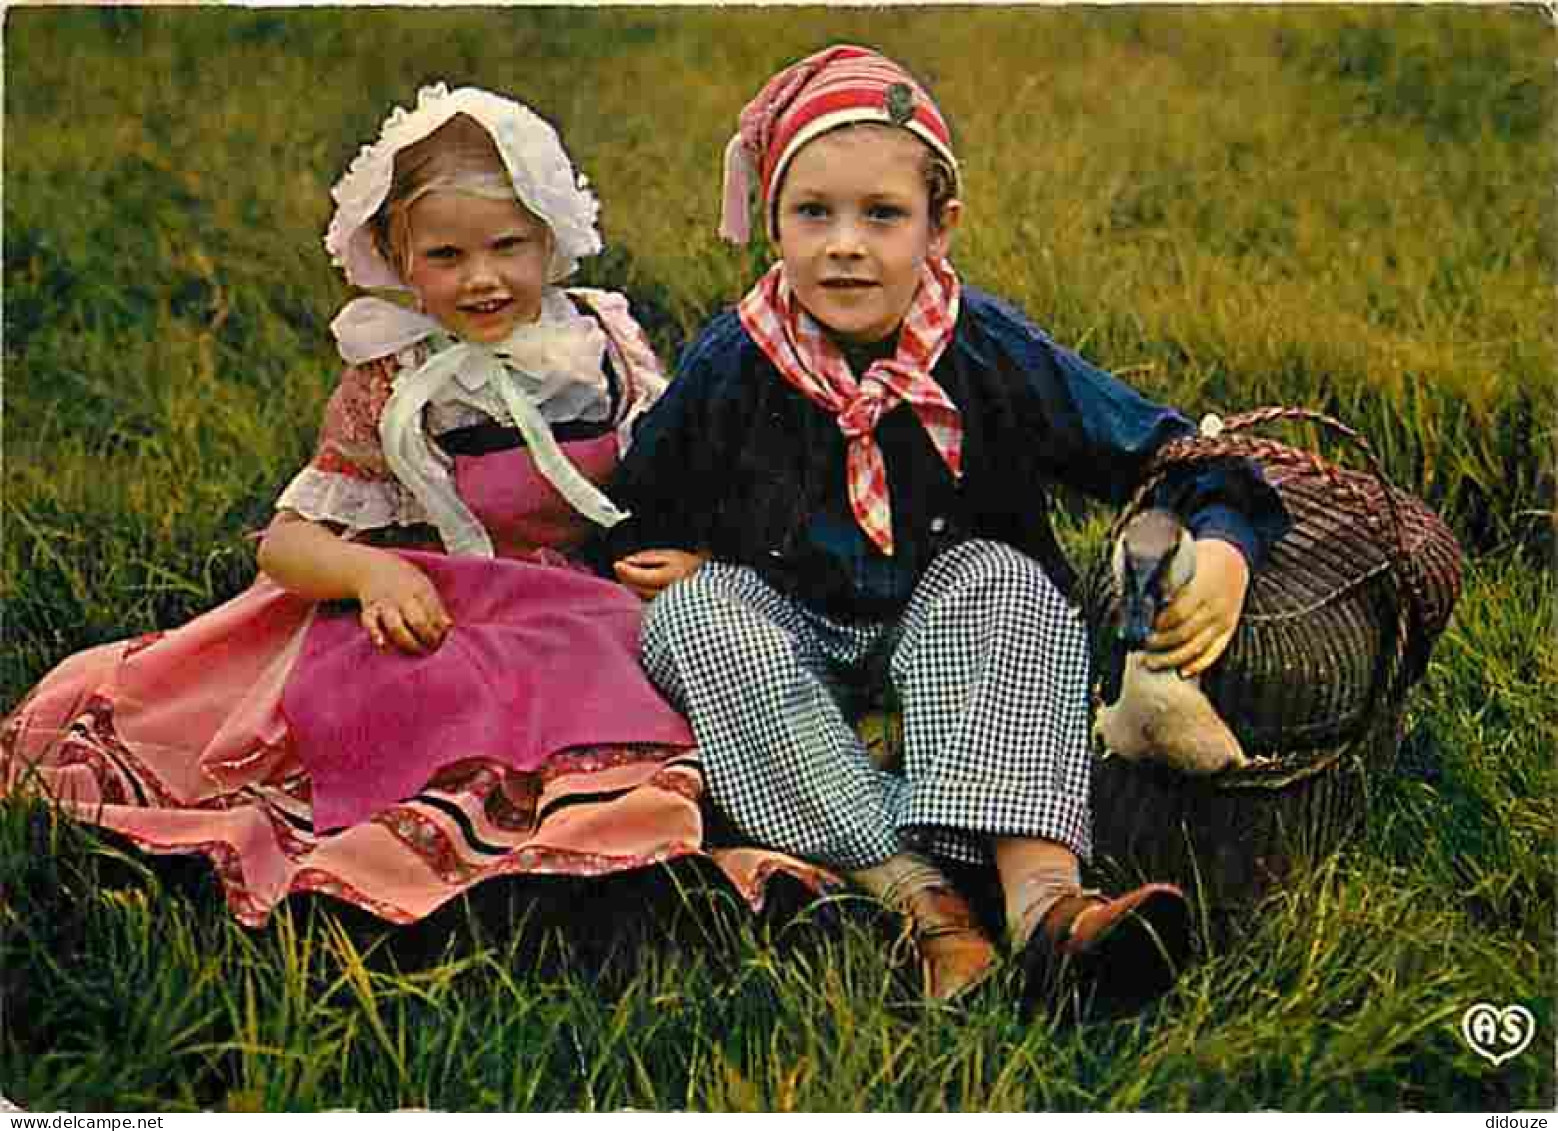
808,359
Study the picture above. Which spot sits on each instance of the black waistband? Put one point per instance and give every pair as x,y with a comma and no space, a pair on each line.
481,439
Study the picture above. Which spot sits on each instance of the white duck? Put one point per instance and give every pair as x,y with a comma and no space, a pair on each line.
1159,715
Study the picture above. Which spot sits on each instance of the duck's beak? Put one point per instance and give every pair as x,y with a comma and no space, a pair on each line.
1144,566
1139,602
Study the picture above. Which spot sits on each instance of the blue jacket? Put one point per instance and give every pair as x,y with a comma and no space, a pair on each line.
735,460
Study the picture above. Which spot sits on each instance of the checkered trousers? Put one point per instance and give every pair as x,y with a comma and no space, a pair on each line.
989,664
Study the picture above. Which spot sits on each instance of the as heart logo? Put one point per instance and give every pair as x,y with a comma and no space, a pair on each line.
1497,1034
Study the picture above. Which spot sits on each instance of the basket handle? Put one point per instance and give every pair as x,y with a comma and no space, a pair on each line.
1206,444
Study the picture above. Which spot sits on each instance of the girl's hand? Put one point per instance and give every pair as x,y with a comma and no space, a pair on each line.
648,572
1193,629
400,606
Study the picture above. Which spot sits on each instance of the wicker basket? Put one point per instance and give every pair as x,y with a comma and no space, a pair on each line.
1338,624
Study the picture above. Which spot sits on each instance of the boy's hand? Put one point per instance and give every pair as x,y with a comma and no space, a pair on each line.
648,572
1194,628
400,606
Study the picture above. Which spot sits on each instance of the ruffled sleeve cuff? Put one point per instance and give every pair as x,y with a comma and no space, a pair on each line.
356,504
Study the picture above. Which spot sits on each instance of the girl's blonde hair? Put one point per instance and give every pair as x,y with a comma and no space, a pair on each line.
459,156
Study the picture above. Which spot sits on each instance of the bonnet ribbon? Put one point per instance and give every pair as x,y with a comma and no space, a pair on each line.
809,360
546,352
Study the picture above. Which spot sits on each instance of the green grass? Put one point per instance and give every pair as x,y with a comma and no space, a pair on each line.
1340,208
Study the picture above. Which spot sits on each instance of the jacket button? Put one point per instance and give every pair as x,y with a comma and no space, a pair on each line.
938,524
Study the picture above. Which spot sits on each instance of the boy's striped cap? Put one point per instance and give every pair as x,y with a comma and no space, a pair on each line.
835,87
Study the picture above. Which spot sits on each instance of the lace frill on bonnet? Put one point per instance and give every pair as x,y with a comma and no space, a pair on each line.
544,180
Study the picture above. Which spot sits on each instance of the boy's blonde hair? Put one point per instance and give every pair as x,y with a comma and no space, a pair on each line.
941,179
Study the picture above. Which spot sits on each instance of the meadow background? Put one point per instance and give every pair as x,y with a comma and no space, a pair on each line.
1344,208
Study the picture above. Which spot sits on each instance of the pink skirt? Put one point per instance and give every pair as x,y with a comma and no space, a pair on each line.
268,736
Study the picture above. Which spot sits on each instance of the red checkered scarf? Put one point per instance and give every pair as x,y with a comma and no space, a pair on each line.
810,361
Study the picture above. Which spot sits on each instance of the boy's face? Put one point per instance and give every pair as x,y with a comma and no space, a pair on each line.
477,265
855,227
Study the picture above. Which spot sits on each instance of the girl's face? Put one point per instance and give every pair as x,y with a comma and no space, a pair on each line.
478,266
854,229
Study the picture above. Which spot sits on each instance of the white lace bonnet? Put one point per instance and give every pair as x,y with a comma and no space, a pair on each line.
544,180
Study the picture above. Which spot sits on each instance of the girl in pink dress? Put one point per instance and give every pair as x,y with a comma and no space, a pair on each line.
423,689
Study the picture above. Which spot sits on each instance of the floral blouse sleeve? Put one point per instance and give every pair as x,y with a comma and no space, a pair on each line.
348,481
634,358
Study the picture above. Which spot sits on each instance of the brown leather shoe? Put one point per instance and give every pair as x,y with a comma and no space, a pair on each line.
1122,952
955,955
